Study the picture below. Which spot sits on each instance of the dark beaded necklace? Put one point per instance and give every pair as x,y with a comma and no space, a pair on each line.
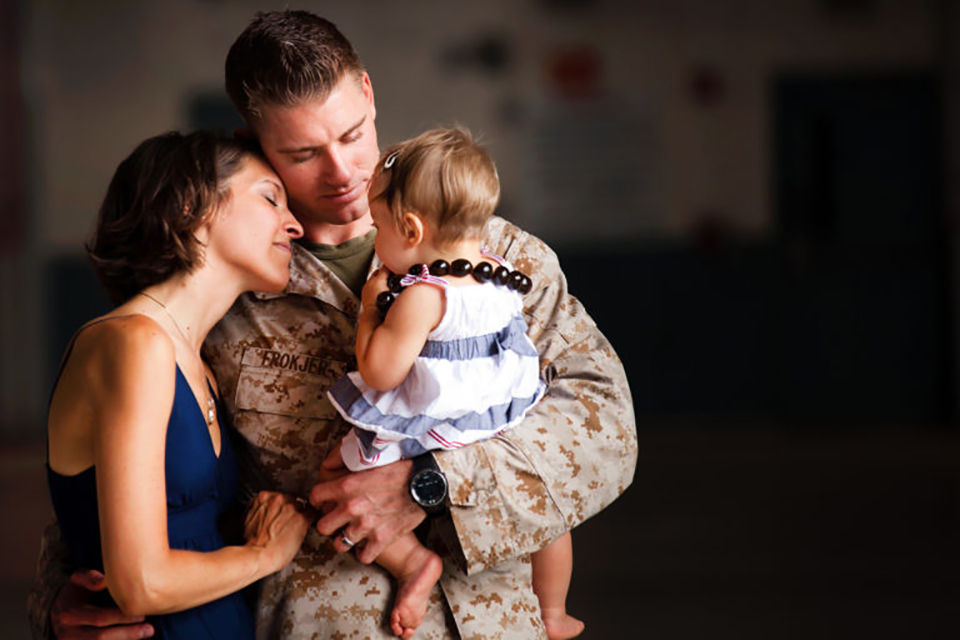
482,272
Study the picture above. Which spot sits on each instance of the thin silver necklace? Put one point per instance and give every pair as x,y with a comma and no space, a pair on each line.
211,407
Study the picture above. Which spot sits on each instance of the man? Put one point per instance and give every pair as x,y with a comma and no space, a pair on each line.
306,97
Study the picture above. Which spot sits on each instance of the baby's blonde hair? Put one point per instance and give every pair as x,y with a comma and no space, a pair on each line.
445,176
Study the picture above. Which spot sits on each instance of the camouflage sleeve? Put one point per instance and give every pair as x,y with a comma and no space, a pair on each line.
52,574
574,453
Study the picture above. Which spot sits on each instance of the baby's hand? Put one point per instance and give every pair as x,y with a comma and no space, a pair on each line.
376,285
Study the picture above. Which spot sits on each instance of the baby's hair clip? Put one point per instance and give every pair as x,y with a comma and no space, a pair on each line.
391,159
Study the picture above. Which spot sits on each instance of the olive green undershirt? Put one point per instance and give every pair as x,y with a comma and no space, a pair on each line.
349,261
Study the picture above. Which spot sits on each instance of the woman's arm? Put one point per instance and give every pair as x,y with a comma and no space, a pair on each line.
132,404
386,350
59,604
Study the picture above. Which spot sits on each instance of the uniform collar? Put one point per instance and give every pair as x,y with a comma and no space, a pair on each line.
310,277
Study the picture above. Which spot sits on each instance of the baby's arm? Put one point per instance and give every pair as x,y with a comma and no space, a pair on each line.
386,350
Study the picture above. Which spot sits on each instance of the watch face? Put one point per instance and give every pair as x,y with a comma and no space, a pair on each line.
429,488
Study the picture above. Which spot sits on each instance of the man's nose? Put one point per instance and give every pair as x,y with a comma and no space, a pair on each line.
336,170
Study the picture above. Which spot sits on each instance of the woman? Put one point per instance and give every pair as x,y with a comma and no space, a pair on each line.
139,465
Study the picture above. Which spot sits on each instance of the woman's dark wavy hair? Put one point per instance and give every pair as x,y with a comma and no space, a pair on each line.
159,196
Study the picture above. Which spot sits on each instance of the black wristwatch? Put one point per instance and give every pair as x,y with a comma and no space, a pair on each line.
428,485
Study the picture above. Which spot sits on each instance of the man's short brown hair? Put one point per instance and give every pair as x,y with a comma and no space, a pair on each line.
284,58
445,176
159,196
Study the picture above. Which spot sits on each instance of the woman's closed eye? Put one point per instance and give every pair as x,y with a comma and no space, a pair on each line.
272,198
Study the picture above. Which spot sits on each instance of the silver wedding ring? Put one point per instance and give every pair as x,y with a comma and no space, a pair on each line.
347,541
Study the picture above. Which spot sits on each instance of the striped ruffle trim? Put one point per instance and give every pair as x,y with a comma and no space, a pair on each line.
512,337
417,434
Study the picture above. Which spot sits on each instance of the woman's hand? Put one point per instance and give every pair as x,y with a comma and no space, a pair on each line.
276,523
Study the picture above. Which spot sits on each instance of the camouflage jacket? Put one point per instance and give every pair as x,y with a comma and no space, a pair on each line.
275,355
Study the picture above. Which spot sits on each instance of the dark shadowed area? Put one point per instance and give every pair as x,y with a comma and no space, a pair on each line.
757,201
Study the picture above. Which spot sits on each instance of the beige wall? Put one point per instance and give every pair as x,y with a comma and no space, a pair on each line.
101,76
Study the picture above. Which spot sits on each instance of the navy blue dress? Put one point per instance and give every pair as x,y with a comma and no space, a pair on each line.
200,487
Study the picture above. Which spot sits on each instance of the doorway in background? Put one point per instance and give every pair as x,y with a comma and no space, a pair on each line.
866,297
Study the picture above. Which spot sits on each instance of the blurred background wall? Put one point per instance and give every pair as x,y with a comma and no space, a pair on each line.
754,199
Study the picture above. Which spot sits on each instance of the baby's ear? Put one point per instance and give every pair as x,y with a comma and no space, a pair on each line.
413,227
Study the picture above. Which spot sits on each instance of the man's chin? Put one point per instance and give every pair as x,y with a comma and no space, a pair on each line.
338,216
351,218
335,227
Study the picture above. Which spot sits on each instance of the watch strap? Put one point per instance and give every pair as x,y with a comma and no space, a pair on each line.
424,461
425,464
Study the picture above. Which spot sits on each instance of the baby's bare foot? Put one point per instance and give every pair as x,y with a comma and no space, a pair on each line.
413,592
560,625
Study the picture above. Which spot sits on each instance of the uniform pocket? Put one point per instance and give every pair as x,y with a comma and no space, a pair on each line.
287,383
470,474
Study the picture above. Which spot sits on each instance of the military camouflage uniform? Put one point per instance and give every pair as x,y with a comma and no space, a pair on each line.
275,355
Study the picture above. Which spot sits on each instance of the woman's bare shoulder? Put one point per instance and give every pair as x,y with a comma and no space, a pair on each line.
114,360
124,343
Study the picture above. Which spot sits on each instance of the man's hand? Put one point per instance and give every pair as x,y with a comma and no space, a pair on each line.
72,617
373,506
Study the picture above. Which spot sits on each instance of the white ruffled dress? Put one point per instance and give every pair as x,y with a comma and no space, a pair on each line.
477,375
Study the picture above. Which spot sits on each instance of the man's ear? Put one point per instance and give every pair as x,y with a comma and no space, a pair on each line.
367,87
413,228
245,134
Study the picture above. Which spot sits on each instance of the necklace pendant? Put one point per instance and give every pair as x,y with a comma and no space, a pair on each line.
211,411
